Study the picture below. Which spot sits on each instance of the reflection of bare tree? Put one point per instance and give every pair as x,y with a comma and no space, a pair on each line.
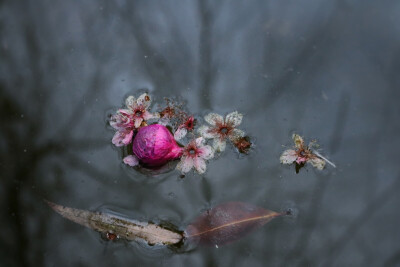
29,147
300,60
21,156
24,149
313,213
157,66
207,68
357,223
393,260
153,37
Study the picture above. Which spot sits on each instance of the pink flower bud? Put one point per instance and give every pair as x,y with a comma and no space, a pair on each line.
154,145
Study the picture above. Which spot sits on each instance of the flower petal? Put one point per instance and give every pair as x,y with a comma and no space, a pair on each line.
199,142
138,122
122,138
214,118
288,156
200,165
301,159
204,131
120,120
206,152
235,134
322,157
128,138
115,121
318,163
219,145
180,133
234,119
147,115
185,165
144,100
124,112
130,102
117,139
298,141
131,160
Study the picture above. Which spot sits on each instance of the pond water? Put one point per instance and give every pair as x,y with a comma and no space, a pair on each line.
324,69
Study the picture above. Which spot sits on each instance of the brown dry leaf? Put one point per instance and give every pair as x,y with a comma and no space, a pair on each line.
118,226
227,222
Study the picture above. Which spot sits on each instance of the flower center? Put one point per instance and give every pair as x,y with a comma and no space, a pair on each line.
138,113
224,130
192,151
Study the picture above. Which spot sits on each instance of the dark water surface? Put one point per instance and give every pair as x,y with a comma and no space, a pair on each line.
325,69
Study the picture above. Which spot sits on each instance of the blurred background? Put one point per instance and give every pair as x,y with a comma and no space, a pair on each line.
324,69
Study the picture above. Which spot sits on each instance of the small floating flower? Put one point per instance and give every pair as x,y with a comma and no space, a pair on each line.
124,125
222,129
303,154
126,121
154,146
166,115
184,128
243,144
195,155
168,112
139,108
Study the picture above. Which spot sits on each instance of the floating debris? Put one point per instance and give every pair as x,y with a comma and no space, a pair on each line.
301,154
243,144
115,227
222,224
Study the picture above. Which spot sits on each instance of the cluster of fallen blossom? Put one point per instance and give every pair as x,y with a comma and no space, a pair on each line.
154,145
154,137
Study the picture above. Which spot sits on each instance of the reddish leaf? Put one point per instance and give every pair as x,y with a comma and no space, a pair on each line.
227,222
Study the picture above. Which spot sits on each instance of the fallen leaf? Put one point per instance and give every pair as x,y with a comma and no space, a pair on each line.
228,222
114,226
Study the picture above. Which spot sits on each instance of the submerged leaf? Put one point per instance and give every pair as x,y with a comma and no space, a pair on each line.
118,226
227,222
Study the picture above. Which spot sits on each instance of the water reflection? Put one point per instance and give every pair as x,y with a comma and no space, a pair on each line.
327,70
